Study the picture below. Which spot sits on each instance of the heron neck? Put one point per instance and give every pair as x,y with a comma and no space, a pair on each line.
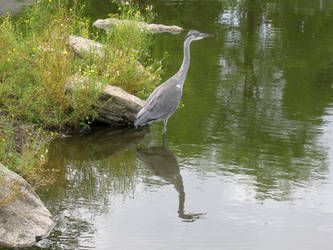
186,62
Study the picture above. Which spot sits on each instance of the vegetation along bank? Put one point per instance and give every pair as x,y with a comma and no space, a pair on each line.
35,62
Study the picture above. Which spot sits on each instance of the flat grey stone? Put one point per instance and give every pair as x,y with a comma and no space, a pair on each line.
106,24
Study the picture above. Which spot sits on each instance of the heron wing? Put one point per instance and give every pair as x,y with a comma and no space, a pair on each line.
161,104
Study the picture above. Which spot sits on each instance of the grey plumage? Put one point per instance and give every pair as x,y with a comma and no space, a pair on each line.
164,100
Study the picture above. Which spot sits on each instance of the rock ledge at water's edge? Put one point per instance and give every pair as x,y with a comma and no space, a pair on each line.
24,219
115,106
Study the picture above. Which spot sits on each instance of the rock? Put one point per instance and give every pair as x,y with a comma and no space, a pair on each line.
106,24
160,28
23,217
82,45
115,106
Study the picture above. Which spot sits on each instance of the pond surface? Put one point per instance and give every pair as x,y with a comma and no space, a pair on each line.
248,158
12,6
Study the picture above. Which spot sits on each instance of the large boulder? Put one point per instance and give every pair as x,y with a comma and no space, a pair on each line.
115,106
23,217
106,24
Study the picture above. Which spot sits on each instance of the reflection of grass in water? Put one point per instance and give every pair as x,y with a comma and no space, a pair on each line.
84,191
94,166
123,173
95,180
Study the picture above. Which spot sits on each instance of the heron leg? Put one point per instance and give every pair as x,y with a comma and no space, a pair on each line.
164,143
165,126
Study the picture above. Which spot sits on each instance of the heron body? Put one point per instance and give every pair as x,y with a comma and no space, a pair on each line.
164,100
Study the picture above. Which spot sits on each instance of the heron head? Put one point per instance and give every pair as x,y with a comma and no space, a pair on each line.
196,35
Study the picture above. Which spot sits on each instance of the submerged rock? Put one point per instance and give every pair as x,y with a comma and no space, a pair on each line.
106,24
23,217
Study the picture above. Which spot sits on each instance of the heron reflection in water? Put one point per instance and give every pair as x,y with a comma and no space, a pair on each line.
163,163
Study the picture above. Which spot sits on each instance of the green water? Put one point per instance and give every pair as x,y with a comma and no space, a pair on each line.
248,159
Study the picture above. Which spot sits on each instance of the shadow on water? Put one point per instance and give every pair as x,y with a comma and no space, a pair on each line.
91,169
162,162
100,144
93,165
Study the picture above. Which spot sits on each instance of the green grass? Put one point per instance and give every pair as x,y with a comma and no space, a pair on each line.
35,62
23,149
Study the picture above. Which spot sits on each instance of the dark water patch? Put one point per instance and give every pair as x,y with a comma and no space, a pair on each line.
12,6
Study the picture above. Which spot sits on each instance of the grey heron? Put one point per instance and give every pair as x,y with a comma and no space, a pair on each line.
164,100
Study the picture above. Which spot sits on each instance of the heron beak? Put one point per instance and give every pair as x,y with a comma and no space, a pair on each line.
204,35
